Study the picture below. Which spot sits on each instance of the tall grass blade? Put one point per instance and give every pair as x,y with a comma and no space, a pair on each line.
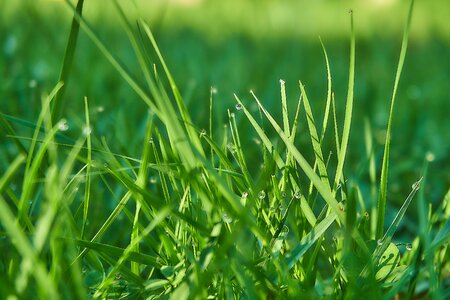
348,107
67,63
385,164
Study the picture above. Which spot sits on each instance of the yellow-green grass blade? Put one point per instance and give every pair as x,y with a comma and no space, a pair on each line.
44,281
348,108
284,107
159,217
309,240
34,161
323,189
9,173
370,150
385,164
179,100
262,135
87,190
141,181
239,150
314,138
329,91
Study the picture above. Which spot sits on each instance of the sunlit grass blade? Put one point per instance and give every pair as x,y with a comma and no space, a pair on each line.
262,135
348,108
309,240
323,189
385,164
159,217
314,137
329,92
141,181
45,283
284,108
239,150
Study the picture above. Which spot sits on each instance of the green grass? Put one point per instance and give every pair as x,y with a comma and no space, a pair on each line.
272,199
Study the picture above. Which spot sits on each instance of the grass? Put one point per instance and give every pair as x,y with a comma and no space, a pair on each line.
211,213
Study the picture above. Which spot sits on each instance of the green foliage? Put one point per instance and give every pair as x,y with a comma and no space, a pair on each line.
208,213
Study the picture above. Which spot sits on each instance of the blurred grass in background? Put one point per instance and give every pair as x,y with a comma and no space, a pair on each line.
235,46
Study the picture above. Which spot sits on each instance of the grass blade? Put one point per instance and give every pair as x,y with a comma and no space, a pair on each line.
67,63
385,165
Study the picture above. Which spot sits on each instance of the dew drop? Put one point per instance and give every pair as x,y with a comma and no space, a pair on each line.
283,194
430,156
297,195
100,109
379,242
203,132
152,180
261,194
150,140
238,106
213,90
226,218
366,215
409,246
87,130
62,125
244,194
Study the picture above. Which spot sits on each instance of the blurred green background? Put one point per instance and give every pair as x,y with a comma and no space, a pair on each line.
235,46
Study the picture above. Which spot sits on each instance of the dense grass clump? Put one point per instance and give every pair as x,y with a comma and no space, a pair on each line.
239,211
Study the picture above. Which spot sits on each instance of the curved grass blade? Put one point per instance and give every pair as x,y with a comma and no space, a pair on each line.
385,164
348,107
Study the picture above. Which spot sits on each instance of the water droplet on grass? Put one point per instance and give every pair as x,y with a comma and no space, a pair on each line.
379,242
430,156
261,194
409,246
62,125
226,218
87,130
203,132
100,109
244,194
283,194
238,106
297,195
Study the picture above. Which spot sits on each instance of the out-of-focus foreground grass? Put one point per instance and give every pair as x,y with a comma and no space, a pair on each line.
235,46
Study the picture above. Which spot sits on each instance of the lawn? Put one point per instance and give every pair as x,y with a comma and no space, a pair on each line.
232,149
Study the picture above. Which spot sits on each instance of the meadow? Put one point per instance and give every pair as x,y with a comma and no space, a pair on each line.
238,149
